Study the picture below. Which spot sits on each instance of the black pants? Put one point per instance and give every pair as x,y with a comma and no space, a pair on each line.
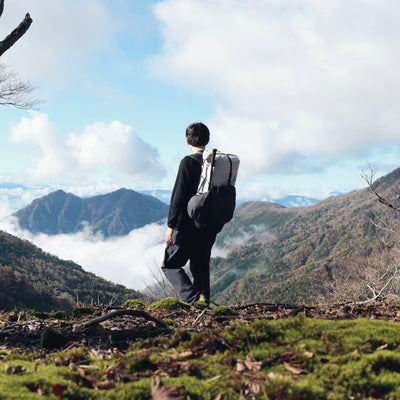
194,246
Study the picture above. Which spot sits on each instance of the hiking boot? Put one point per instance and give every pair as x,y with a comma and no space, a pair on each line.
202,298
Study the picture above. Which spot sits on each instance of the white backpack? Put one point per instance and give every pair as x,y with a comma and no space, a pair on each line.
214,203
218,169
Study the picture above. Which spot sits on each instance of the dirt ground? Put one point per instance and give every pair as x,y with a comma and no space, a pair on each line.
120,331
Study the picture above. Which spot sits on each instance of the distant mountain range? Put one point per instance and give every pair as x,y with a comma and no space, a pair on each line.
33,279
290,255
112,214
287,201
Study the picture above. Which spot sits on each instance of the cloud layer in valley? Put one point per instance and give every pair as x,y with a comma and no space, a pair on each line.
127,260
300,84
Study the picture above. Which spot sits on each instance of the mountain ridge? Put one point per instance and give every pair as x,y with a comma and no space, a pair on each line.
112,214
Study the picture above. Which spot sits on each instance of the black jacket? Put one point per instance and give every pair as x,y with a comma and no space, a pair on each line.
185,187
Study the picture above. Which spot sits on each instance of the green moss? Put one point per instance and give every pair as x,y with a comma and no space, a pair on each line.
136,304
37,314
204,363
222,310
170,303
200,304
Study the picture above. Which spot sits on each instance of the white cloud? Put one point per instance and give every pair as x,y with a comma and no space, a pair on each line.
300,84
102,149
62,38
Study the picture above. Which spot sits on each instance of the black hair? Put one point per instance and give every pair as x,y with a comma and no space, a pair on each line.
197,134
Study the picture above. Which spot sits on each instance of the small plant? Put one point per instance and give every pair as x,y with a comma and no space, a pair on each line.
170,303
51,339
38,314
222,310
80,311
59,315
135,304
139,363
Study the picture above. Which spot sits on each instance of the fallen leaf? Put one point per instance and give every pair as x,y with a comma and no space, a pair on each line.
104,385
71,366
308,354
58,390
185,354
252,364
293,370
19,369
373,394
240,367
253,389
161,392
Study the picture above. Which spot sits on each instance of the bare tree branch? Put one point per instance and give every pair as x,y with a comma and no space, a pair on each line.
369,178
16,34
117,313
15,92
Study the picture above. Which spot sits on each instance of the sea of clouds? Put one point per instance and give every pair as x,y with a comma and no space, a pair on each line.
132,260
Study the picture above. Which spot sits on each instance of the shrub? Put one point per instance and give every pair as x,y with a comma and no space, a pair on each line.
170,303
59,314
51,339
136,304
222,310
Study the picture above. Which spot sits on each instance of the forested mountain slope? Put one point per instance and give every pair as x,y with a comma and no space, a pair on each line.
31,278
289,255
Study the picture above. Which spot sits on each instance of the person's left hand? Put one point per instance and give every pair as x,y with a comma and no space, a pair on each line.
168,237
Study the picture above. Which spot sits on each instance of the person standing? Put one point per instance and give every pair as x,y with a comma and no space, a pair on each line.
184,241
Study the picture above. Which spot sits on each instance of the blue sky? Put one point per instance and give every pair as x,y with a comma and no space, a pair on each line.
306,92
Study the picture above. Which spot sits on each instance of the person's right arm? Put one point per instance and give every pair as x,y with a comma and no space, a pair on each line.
184,188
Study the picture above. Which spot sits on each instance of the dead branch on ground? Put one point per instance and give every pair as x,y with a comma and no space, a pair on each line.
117,313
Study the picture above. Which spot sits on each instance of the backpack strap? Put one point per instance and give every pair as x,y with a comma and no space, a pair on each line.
230,169
212,167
